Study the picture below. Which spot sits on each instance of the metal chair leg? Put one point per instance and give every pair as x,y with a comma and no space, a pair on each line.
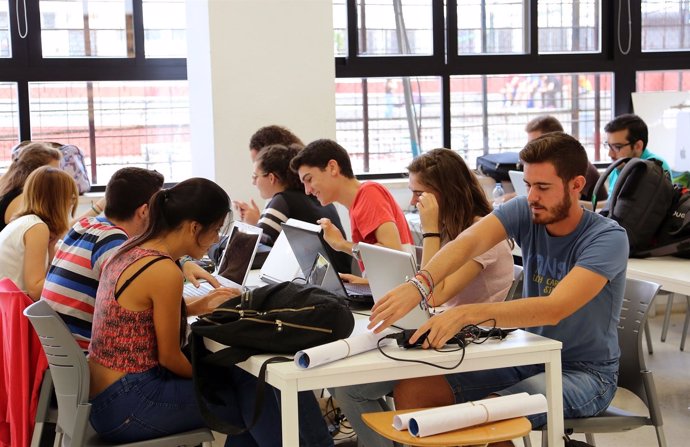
685,325
648,337
667,316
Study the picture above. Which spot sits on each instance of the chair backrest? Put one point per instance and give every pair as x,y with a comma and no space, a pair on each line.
515,290
637,300
69,370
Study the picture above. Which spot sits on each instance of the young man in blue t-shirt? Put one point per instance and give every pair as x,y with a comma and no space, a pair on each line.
574,263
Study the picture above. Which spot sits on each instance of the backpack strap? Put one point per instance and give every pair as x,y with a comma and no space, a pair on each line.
137,273
602,180
211,419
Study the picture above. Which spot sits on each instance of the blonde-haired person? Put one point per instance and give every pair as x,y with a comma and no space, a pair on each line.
449,199
27,244
31,157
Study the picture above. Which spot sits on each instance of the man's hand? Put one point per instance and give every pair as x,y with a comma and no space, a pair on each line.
209,302
195,274
393,306
442,327
249,212
353,279
333,236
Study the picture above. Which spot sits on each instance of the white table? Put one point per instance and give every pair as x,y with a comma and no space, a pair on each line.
519,348
673,274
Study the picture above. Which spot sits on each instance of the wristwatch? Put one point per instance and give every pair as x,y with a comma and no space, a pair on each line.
355,250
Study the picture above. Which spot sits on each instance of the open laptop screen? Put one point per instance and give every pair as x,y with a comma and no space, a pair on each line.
239,252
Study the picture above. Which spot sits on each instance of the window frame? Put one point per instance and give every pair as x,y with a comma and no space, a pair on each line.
610,59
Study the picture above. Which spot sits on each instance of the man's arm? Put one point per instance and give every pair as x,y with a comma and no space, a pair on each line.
387,236
575,290
471,243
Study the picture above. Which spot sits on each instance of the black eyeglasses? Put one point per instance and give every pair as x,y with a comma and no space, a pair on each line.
256,176
616,146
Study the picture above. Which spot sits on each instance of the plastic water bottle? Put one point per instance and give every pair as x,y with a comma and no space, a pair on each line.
498,194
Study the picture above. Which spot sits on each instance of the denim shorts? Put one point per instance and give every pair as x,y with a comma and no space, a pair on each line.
588,387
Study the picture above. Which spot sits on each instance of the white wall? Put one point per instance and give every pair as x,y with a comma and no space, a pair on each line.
253,63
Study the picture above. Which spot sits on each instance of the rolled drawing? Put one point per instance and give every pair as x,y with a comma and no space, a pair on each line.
339,349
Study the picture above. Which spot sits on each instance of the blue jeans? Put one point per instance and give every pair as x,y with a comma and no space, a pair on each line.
354,400
588,387
157,403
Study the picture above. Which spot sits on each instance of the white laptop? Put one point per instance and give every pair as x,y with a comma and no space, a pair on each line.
235,262
517,178
386,269
316,264
281,264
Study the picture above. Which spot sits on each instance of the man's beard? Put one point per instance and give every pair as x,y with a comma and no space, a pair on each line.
555,214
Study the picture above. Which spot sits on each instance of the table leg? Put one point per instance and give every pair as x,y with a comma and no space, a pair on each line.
686,324
289,414
554,396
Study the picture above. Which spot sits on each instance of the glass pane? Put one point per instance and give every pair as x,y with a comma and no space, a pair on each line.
491,26
165,28
393,27
117,124
9,122
510,101
663,81
665,25
339,28
86,28
569,26
5,45
383,122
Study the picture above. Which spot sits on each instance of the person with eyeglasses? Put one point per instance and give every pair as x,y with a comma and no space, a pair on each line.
627,136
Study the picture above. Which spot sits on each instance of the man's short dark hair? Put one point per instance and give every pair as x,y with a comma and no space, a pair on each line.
273,134
128,189
544,124
637,129
318,153
560,149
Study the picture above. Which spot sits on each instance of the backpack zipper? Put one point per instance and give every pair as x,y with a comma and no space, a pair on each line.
279,325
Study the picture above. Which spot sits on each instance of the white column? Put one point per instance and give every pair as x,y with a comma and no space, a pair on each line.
253,63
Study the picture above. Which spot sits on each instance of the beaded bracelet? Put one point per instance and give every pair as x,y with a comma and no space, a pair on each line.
428,278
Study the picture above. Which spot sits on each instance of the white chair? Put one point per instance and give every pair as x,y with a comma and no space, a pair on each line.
70,373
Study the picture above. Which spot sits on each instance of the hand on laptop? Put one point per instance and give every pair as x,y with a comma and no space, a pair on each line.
195,274
393,306
354,279
249,212
209,302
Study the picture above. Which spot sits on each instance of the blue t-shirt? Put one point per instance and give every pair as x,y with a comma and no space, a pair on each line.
597,244
646,155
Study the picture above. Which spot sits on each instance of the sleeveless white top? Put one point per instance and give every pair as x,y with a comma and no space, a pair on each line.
12,248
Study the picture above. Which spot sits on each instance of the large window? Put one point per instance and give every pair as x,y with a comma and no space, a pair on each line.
106,75
469,74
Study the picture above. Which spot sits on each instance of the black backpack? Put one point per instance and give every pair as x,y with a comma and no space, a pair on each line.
640,200
673,237
281,319
497,165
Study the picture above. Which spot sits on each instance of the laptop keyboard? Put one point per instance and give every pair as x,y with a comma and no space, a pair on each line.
205,287
357,289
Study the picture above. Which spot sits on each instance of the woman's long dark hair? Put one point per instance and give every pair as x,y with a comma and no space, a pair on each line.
275,159
462,198
196,199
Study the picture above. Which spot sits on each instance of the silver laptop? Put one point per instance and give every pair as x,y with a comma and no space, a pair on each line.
386,269
310,250
235,262
281,264
517,178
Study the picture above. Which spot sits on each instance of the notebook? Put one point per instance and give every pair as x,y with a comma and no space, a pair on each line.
281,264
235,262
386,269
517,178
309,249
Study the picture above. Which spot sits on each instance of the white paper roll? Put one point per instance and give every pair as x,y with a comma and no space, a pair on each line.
340,349
487,410
402,421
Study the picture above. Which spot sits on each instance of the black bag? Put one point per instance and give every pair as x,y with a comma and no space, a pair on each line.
497,165
281,318
673,237
640,200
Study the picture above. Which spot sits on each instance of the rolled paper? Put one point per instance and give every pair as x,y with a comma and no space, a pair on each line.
340,349
402,421
487,410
